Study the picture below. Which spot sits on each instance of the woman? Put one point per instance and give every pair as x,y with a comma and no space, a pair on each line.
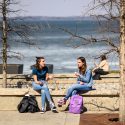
84,81
101,69
40,76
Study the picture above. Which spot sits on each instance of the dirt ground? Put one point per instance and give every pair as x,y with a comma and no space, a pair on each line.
99,119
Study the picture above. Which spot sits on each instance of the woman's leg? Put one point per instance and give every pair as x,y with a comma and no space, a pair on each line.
46,91
97,74
77,87
43,87
48,96
74,92
43,96
101,72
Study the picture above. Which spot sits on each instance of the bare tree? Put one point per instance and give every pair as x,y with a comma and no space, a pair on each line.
122,62
114,12
4,40
110,10
108,23
9,26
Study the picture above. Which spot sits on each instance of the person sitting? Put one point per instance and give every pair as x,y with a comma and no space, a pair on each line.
84,81
40,77
101,69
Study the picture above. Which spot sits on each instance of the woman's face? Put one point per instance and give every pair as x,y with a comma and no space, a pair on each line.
42,62
79,63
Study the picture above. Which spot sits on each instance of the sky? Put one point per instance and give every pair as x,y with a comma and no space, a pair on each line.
57,8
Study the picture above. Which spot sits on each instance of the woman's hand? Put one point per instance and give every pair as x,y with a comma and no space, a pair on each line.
77,74
39,82
36,81
51,76
81,83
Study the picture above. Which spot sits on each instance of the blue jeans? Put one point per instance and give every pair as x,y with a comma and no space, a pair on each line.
44,92
75,88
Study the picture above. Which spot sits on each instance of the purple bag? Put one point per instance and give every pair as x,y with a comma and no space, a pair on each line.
76,104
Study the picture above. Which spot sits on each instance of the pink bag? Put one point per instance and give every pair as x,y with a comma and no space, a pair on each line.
76,104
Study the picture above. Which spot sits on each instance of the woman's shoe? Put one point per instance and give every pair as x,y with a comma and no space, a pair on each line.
42,111
53,108
61,102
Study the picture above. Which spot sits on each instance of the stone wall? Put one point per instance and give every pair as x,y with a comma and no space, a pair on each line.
104,99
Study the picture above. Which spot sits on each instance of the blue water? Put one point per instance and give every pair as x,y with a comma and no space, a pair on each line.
58,47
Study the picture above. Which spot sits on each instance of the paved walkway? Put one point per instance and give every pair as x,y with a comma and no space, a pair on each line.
99,119
49,118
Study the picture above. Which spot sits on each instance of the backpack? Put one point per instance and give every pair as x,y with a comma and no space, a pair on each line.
28,104
76,104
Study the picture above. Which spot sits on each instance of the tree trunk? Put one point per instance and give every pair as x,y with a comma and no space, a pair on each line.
4,41
122,63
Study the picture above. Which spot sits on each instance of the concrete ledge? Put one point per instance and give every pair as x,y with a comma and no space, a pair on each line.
64,75
104,99
111,75
19,79
100,91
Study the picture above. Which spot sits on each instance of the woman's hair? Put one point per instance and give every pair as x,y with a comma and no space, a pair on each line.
83,68
103,57
38,59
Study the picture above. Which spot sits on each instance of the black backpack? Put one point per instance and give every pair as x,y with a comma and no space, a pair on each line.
28,104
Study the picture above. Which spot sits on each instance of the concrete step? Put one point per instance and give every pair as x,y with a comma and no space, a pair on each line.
104,98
